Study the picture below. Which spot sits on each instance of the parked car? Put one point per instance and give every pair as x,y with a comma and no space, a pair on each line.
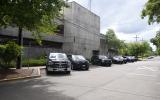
101,60
134,58
150,57
118,59
78,62
125,60
131,58
58,62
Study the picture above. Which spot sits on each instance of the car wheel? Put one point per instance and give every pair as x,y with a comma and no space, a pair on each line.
68,72
100,64
93,63
109,65
47,72
72,67
87,68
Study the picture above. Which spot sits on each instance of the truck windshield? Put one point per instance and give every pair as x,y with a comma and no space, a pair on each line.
78,57
57,56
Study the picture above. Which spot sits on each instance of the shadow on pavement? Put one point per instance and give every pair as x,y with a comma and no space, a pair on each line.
34,89
60,74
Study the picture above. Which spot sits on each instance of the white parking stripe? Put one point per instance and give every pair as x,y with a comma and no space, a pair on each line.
142,75
147,68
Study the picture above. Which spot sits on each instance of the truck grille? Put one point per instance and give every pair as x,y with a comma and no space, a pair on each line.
60,65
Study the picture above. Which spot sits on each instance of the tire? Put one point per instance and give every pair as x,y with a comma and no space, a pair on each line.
109,65
72,68
93,63
100,64
68,72
87,68
47,72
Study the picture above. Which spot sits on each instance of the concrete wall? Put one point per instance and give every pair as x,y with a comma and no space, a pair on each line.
36,52
103,45
82,29
81,33
10,31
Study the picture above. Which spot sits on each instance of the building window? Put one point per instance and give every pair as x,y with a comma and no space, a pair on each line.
60,30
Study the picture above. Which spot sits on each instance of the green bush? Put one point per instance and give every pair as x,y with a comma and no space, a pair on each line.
8,54
33,62
2,50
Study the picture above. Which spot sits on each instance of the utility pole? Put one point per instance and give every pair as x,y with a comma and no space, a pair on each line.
136,38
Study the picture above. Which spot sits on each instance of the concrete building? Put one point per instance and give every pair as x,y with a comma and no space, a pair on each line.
82,29
79,33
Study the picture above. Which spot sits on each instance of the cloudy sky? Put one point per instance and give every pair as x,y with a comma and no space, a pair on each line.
124,17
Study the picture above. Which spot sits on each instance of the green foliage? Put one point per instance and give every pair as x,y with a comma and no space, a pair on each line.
111,40
2,50
133,49
158,51
123,50
34,15
152,10
9,53
156,40
139,49
34,62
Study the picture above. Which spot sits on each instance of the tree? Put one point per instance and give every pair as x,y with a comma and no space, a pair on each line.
152,10
112,42
146,49
111,39
34,15
156,40
123,50
139,49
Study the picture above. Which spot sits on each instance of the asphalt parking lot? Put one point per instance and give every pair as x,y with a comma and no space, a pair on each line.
132,81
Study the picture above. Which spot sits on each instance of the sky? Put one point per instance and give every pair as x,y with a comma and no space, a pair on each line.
124,17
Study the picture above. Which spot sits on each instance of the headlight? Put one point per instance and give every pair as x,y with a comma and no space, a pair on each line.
69,63
116,59
50,62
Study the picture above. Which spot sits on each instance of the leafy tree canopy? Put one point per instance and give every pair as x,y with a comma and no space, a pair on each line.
33,15
152,10
139,48
111,39
156,40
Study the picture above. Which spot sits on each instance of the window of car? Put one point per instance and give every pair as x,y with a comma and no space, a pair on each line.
81,57
78,57
57,56
102,57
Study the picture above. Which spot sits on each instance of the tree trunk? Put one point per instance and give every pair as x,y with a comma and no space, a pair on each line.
20,43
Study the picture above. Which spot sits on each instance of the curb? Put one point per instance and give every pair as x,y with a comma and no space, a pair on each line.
21,78
42,68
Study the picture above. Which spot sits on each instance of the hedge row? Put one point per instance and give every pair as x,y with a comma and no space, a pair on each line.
33,62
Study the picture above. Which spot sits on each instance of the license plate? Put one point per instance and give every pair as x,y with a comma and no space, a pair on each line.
60,69
84,65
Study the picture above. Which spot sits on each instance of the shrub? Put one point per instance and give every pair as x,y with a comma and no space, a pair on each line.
2,50
34,62
9,54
